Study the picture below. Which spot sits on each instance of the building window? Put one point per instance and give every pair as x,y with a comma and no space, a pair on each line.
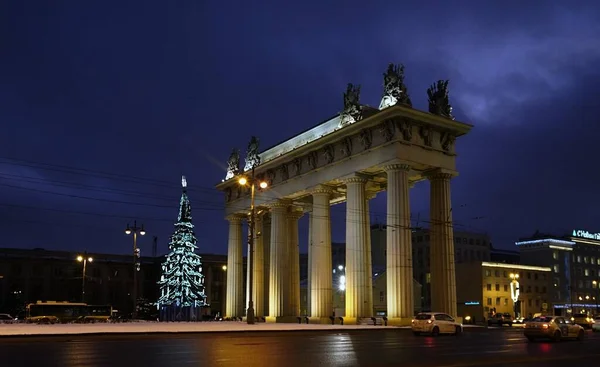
497,301
489,302
578,258
535,276
555,255
505,274
488,273
497,288
381,298
489,288
586,259
506,287
586,272
427,279
529,302
537,289
505,301
528,275
556,269
537,302
497,273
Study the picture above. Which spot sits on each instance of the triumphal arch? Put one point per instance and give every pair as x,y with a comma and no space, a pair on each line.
350,158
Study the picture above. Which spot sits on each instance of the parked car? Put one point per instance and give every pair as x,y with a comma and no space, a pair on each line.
435,323
500,319
583,319
555,328
596,325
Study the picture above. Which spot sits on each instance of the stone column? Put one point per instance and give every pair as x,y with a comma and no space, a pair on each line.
248,260
294,261
309,264
399,269
279,283
369,260
443,276
357,297
235,269
259,266
266,242
321,278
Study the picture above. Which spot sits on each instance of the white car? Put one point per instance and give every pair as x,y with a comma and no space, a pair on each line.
596,324
435,323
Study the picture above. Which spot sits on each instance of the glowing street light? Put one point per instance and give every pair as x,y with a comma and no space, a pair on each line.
253,182
84,259
136,255
224,267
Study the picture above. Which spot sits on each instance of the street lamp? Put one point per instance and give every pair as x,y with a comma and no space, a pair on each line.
596,285
84,259
252,181
514,291
136,264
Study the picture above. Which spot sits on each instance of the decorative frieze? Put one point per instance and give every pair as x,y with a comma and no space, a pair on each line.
329,153
346,147
387,130
366,138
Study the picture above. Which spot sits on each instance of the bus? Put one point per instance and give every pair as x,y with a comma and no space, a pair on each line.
52,312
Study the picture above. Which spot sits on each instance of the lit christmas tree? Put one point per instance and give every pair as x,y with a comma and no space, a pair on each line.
182,282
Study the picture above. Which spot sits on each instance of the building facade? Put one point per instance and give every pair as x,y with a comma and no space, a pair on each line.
27,276
575,263
485,288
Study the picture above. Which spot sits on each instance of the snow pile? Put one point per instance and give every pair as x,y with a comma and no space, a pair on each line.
169,327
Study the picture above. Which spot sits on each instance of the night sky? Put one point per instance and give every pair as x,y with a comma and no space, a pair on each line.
105,104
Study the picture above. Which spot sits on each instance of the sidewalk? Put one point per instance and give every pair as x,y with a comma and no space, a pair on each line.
169,327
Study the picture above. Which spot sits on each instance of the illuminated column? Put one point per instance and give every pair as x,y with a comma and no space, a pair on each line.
399,270
266,242
259,266
443,277
309,265
248,260
357,296
235,269
279,283
369,260
321,296
294,268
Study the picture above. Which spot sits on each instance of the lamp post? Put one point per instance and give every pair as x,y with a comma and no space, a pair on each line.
136,265
252,181
84,259
514,291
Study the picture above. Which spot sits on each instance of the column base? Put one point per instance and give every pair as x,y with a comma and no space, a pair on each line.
400,321
281,319
351,320
321,320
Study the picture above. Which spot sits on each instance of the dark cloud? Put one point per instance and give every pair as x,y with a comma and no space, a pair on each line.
159,91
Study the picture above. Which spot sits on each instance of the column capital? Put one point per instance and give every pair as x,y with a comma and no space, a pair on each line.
396,167
322,189
355,178
370,195
440,174
279,204
295,213
235,218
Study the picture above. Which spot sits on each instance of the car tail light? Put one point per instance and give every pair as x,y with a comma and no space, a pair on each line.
544,326
412,321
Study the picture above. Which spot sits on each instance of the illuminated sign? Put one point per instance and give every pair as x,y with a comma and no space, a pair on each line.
514,290
585,234
472,303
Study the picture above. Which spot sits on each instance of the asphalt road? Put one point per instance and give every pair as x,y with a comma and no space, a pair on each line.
484,347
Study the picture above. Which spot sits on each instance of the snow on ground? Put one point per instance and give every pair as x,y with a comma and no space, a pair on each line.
168,327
